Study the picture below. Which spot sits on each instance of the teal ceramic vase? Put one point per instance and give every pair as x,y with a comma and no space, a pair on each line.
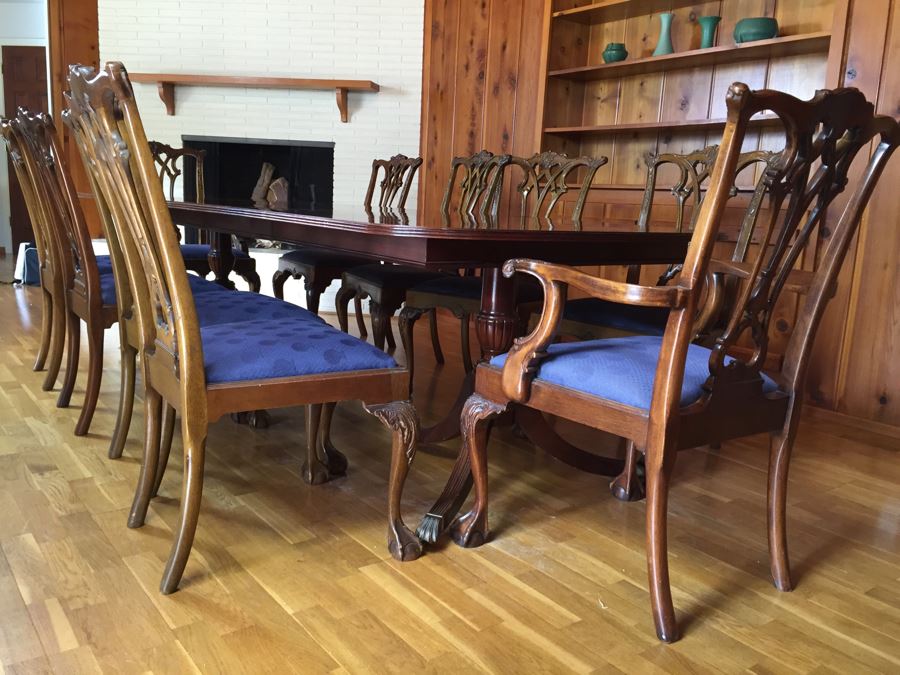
664,45
708,26
755,28
615,51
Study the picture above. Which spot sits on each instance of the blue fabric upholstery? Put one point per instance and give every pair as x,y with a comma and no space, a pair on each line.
107,288
104,263
392,276
240,306
630,318
199,286
253,350
621,369
529,289
200,251
315,256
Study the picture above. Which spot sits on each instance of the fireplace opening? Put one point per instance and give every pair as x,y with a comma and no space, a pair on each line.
248,172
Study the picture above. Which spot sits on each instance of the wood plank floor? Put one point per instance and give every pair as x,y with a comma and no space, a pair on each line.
291,578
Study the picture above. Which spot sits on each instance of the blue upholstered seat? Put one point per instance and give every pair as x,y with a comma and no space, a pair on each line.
198,285
529,289
621,369
630,318
201,251
393,276
253,350
318,256
104,263
242,306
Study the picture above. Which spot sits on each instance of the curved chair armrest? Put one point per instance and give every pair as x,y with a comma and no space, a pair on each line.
526,352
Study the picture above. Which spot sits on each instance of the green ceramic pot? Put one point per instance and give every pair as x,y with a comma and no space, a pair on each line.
614,51
756,28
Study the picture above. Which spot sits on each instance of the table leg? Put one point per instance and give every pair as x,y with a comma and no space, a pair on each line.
221,258
496,328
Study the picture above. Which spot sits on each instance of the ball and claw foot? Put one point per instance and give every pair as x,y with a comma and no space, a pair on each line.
402,543
315,474
335,460
470,530
255,419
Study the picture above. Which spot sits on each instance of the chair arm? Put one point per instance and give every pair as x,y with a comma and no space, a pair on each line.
527,352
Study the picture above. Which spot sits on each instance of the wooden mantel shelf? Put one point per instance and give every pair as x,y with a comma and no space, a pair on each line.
166,82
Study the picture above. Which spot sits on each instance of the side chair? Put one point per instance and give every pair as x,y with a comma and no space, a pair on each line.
666,394
204,373
544,181
196,256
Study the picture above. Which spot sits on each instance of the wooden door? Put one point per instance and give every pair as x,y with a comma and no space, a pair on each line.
24,84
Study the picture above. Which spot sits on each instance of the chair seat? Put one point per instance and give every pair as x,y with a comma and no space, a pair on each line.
242,306
314,256
104,263
392,276
622,369
630,318
201,251
294,347
198,286
529,288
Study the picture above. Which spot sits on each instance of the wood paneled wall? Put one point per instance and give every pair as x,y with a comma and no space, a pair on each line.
483,87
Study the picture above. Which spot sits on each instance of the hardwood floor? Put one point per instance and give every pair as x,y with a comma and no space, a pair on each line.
285,577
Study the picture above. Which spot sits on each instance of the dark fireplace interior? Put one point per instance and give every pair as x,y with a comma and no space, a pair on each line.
232,169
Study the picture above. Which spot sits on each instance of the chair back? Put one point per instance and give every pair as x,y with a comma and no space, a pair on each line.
399,172
546,177
479,188
104,111
170,163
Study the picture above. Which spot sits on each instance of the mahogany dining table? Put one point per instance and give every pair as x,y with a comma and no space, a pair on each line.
451,243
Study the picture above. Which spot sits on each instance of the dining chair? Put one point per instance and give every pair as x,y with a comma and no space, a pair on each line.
290,358
170,163
545,179
593,318
51,260
665,393
317,267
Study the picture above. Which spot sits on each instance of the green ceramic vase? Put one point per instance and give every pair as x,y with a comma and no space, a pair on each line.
615,51
708,26
664,45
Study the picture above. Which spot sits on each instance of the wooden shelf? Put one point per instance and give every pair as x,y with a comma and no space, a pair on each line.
166,82
684,125
793,45
615,10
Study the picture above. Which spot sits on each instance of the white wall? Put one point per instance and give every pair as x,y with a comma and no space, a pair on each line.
23,23
378,40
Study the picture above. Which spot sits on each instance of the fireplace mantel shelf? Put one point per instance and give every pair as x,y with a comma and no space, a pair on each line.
166,82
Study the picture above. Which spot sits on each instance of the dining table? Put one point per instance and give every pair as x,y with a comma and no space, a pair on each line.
451,242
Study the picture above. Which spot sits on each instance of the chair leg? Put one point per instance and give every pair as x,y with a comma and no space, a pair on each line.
335,460
313,470
165,446
57,343
659,464
46,327
73,352
389,335
464,341
152,425
253,280
780,446
126,400
381,320
278,280
312,299
360,319
435,336
95,375
405,324
471,529
344,295
400,417
628,486
194,439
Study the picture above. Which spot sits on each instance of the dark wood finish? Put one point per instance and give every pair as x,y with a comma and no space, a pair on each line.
399,173
24,85
805,179
105,116
166,84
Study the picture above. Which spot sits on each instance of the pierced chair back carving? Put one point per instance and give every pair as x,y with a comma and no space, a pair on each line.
546,178
171,163
479,188
399,172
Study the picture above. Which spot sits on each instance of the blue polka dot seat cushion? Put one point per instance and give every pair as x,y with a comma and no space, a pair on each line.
293,347
201,251
198,286
621,369
630,318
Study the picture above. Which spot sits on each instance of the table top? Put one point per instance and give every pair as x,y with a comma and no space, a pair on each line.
397,236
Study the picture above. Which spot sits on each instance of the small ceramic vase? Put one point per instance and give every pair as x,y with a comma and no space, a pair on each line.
615,51
755,28
664,45
708,26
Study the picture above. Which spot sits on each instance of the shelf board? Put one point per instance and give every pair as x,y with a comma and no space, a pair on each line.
615,10
683,125
166,82
793,45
